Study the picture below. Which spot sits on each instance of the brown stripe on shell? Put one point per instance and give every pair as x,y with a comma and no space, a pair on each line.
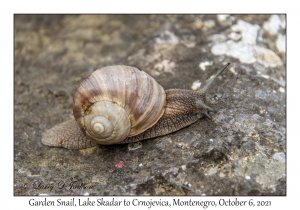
152,102
131,97
109,77
143,96
143,103
97,79
117,82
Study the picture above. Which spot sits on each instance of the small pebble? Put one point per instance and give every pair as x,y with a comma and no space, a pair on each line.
279,157
120,164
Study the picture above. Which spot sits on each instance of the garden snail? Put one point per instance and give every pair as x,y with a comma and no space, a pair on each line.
122,104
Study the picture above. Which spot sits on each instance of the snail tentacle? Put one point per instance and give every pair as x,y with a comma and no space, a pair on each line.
208,85
200,104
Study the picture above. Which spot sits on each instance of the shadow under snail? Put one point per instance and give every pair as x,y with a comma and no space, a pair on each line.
122,104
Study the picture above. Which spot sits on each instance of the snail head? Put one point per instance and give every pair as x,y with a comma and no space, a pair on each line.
199,103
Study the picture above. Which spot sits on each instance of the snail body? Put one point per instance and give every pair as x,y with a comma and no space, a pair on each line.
122,104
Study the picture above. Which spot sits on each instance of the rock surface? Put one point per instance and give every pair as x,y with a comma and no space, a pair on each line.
241,151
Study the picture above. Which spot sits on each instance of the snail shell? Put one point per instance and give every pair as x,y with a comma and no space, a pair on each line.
117,102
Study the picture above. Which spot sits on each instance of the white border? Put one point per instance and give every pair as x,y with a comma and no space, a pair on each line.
154,6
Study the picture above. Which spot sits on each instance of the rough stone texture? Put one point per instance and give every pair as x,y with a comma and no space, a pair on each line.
241,151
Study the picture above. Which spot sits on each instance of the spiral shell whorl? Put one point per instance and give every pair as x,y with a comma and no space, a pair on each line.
106,122
100,126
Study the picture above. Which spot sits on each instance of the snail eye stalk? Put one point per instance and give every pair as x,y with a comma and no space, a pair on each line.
207,86
200,104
